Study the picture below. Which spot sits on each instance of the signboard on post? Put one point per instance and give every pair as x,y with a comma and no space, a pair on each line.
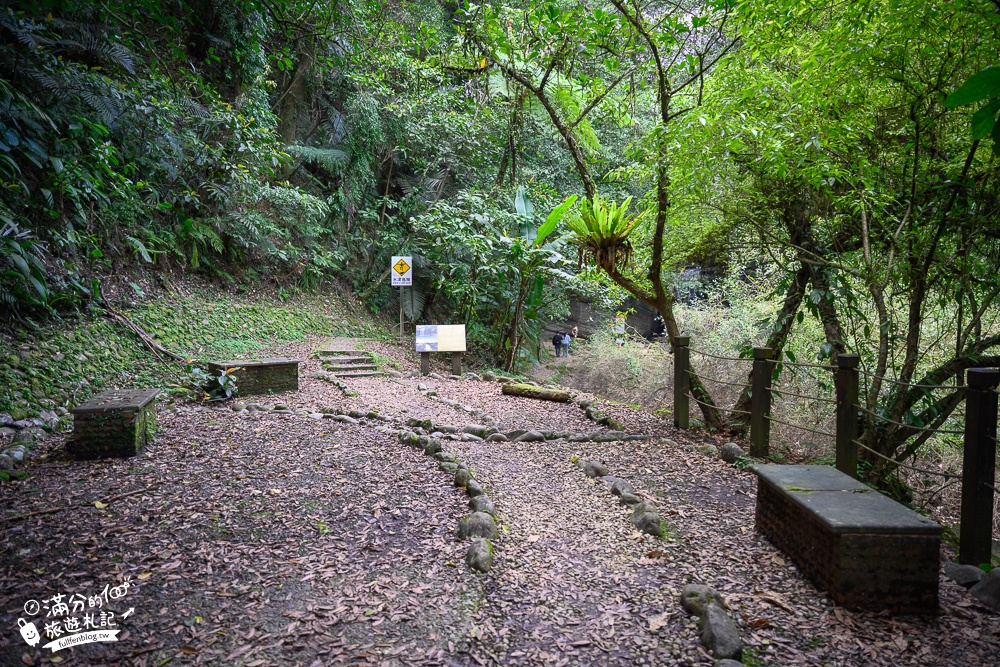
440,338
402,271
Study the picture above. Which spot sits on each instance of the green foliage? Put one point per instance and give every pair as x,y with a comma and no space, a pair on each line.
198,384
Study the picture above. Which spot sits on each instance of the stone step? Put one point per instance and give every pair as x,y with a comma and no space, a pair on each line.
338,368
327,353
348,360
358,374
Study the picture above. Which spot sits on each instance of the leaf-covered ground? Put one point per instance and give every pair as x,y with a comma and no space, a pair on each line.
277,539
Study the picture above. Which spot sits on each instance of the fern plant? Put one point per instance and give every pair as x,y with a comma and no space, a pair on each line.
602,231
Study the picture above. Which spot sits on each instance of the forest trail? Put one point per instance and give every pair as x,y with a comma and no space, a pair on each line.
278,538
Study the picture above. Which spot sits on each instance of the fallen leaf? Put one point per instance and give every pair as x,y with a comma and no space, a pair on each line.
658,621
99,505
145,575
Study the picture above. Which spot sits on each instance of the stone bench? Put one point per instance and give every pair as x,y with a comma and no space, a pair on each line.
114,424
261,376
867,551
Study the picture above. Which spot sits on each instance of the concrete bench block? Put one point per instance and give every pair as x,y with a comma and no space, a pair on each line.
261,376
866,550
114,424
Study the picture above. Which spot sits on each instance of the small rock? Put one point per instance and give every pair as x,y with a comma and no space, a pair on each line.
730,452
719,634
6,419
963,575
468,437
27,438
421,386
592,413
530,436
479,557
473,488
16,453
515,434
435,376
629,500
496,437
432,447
393,374
472,376
413,374
987,590
710,451
727,663
345,419
610,436
490,376
695,598
621,487
462,477
477,429
239,407
409,438
481,504
23,423
448,466
316,415
477,524
6,463
668,442
595,469
444,456
279,406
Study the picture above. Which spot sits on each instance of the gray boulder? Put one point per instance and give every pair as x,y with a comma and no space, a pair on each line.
344,419
477,524
595,469
432,447
668,442
516,433
393,374
695,598
530,436
481,504
6,419
479,557
610,436
730,452
409,438
473,488
963,575
444,456
27,438
987,590
6,463
490,376
496,437
710,451
647,522
727,663
621,487
719,634
471,376
448,466
435,376
462,477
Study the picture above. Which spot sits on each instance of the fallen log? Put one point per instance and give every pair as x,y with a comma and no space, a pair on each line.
540,393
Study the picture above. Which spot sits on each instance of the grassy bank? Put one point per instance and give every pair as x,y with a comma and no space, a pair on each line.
62,363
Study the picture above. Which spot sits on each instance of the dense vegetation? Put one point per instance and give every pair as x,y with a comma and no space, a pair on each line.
837,157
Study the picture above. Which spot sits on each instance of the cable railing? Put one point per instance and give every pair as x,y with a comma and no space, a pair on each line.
861,429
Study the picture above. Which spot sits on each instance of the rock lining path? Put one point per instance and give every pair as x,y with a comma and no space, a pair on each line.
275,539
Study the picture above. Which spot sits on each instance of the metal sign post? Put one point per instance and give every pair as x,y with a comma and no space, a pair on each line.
402,276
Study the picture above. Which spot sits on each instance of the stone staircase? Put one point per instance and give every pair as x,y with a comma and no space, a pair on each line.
343,359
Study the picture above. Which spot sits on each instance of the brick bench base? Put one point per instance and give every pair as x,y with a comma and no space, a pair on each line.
261,376
868,552
113,424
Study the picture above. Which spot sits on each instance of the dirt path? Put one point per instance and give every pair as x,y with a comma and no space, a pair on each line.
276,539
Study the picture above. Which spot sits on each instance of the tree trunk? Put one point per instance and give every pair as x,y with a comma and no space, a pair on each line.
540,393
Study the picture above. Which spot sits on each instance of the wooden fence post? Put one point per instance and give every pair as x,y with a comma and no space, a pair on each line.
760,403
682,366
847,413
425,363
456,363
978,467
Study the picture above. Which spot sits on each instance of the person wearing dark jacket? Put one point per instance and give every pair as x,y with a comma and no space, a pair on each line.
557,340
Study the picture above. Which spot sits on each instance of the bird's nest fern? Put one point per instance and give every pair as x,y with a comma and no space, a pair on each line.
602,232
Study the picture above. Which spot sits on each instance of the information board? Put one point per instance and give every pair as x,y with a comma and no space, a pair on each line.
440,338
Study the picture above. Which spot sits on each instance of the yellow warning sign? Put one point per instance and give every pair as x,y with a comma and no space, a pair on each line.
402,270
